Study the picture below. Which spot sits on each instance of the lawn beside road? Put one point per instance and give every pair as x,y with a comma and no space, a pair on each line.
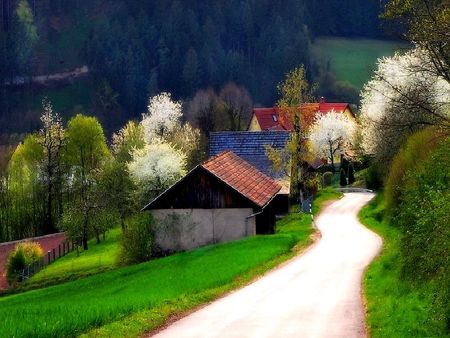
395,308
131,300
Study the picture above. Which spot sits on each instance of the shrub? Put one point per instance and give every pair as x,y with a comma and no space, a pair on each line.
343,178
411,157
373,177
423,215
137,239
24,254
327,178
351,174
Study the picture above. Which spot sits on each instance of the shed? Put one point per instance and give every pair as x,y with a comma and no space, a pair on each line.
222,199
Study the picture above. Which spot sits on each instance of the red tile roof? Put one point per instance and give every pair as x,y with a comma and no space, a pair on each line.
242,177
272,119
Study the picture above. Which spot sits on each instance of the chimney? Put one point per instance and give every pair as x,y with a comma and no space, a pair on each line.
322,99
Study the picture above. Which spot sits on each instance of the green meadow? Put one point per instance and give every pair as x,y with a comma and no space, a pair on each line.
141,297
353,60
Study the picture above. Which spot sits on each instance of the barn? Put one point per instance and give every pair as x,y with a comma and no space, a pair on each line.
222,199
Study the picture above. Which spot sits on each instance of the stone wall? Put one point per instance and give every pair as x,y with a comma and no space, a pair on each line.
186,229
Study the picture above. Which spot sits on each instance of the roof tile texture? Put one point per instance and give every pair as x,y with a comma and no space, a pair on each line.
243,177
272,119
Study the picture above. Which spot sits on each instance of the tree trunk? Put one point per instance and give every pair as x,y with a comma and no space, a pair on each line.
332,158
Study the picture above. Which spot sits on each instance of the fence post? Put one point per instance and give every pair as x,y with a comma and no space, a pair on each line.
64,248
54,254
59,250
48,257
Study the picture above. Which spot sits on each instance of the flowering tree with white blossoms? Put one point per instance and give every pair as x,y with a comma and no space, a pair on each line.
156,166
170,147
331,133
404,95
163,117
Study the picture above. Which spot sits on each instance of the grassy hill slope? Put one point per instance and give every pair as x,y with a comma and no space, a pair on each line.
353,60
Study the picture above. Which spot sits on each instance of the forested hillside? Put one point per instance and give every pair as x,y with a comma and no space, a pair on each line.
137,48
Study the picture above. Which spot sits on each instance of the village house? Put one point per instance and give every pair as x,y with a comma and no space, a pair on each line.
222,199
272,119
264,119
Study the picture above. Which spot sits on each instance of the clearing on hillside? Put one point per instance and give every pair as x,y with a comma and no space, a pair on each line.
353,60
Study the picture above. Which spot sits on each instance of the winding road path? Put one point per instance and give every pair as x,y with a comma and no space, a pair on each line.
317,294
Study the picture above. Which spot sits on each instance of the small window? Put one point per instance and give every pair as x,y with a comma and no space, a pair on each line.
274,118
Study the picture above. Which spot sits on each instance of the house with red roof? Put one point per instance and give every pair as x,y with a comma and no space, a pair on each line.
222,199
273,119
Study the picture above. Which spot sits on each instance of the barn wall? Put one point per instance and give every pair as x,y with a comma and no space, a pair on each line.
186,229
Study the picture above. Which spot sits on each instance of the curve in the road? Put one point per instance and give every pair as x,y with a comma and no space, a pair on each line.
317,294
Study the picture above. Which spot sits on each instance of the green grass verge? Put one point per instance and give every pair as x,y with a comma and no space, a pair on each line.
131,300
395,308
353,60
99,258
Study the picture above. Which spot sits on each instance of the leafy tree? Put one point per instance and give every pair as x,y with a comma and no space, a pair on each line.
126,140
52,141
86,152
330,134
294,91
237,105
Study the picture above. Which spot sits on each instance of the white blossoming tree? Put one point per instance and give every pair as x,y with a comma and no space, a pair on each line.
163,117
404,95
170,147
156,166
330,134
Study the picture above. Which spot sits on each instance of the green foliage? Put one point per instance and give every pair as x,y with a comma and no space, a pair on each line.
372,177
424,217
342,178
137,239
24,254
86,143
351,174
327,178
411,157
396,307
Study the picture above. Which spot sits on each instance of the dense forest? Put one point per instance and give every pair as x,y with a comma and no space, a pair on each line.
135,49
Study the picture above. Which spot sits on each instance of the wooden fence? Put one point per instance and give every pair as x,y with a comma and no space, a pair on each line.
61,250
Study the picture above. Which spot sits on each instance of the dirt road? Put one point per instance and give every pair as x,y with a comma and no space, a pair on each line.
317,294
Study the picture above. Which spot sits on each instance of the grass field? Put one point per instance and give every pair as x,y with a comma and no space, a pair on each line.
353,60
395,307
129,300
99,257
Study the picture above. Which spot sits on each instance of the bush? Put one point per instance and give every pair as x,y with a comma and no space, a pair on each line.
423,215
373,177
351,174
343,178
137,239
411,157
327,178
24,254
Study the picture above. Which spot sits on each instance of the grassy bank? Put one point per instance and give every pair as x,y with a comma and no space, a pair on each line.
130,300
99,258
352,60
396,308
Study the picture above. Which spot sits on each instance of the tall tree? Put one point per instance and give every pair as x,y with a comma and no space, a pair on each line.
86,152
52,139
237,105
294,92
